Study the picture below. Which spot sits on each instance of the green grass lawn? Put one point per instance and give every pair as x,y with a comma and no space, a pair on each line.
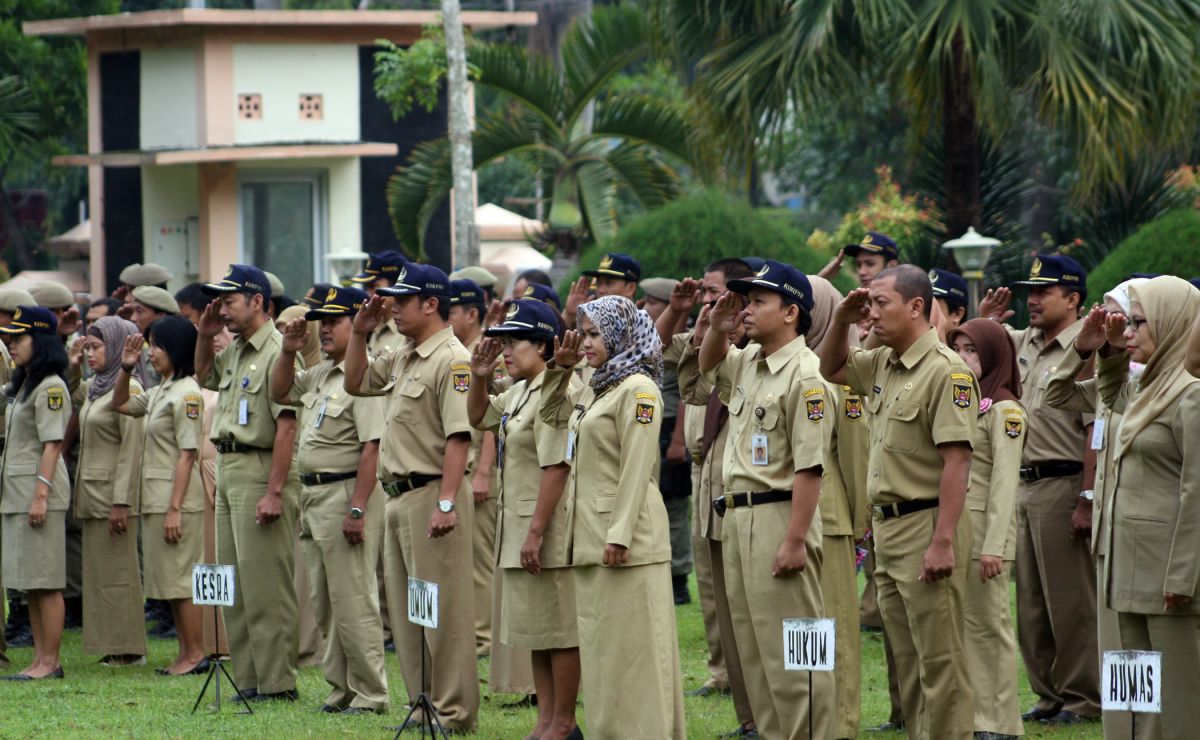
133,702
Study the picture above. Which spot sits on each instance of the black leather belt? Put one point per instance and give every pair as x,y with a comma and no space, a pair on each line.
735,500
1055,469
318,479
903,508
226,446
396,488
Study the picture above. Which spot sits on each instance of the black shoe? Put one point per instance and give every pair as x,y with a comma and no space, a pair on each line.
993,736
742,731
329,709
23,638
1067,717
289,695
680,588
887,727
707,690
197,670
359,710
529,700
57,673
247,694
576,734
1037,715
18,622
73,613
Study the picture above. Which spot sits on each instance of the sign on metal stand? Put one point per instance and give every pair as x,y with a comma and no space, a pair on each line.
214,585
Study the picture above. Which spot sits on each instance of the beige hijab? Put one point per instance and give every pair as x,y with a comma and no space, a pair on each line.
825,301
312,346
1171,305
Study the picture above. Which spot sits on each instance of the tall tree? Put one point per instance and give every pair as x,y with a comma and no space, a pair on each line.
466,237
1113,76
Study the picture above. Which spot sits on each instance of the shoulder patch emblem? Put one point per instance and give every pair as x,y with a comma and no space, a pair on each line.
853,407
962,395
192,405
962,376
813,392
646,396
461,378
1012,427
644,413
55,397
815,408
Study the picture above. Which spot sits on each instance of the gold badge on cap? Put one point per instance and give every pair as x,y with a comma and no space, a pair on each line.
1036,268
606,262
933,276
763,270
512,312
329,298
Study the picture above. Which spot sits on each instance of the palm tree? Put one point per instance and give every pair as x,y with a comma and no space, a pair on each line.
633,143
1113,76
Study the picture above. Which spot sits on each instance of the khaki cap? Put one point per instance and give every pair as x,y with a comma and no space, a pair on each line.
658,288
156,298
52,295
11,298
482,277
147,274
276,284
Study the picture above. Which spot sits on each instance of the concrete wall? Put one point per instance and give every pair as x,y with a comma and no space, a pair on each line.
170,200
168,98
281,73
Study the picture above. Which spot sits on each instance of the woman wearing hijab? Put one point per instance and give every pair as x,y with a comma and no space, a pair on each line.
172,498
620,546
536,590
1154,547
990,642
106,499
35,490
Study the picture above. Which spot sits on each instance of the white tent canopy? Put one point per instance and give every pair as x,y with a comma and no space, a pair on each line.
504,247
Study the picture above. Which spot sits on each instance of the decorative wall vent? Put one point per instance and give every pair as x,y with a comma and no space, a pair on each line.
312,106
250,106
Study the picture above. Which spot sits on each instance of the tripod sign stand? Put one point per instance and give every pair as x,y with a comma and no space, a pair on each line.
423,610
212,585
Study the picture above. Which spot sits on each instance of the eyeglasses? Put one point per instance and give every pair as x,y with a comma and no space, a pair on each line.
1136,324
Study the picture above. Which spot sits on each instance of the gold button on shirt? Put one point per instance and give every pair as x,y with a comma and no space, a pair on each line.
782,400
334,425
1055,434
384,339
241,373
174,418
426,388
918,400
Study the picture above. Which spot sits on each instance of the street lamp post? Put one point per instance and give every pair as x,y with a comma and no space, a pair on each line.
971,252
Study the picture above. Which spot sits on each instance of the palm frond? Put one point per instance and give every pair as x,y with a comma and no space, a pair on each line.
598,199
642,119
529,79
598,47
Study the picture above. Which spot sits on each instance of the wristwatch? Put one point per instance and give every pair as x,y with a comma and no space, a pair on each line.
1088,495
445,505
356,513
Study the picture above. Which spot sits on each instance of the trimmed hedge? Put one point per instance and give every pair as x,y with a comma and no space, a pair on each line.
679,239
1169,245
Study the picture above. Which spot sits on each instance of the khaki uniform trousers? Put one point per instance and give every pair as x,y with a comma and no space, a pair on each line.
484,548
1117,725
758,604
215,641
1178,639
447,654
262,624
629,648
1056,599
839,589
992,652
311,645
114,622
868,615
924,623
718,678
341,577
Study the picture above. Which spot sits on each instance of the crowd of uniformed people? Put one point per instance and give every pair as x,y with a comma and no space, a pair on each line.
558,468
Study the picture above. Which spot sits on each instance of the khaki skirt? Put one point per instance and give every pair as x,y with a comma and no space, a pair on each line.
113,618
167,568
34,559
538,612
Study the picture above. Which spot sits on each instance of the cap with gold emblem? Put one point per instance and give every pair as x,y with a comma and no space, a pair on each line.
528,318
418,279
780,278
543,293
32,320
385,264
949,287
617,265
874,243
1055,269
338,302
241,279
313,298
465,292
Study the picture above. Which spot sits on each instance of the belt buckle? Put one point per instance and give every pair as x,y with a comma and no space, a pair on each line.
697,458
719,506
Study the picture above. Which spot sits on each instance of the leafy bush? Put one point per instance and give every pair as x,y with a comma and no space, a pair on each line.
681,238
1166,245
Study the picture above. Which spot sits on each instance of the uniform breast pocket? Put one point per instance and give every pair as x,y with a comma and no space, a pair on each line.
902,430
406,407
604,504
526,507
737,399
766,417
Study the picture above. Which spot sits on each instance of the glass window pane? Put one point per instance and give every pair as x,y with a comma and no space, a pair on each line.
277,230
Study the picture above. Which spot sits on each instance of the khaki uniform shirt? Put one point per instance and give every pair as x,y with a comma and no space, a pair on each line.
1055,434
919,400
6,368
612,445
241,373
426,388
110,449
174,419
29,424
778,416
334,425
528,445
844,487
1155,532
995,474
695,390
384,339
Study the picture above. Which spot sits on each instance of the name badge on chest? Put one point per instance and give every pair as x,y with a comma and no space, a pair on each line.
1098,435
320,415
243,412
758,449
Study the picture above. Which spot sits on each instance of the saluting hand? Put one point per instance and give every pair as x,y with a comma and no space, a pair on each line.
295,333
69,323
210,321
685,295
703,324
615,555
577,296
1114,327
937,563
790,558
726,313
1091,336
370,316
830,271
442,523
485,357
126,311
132,351
566,350
855,307
495,314
995,305
75,353
121,293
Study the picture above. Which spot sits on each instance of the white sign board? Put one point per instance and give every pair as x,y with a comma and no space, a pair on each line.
808,644
1132,681
423,603
212,585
